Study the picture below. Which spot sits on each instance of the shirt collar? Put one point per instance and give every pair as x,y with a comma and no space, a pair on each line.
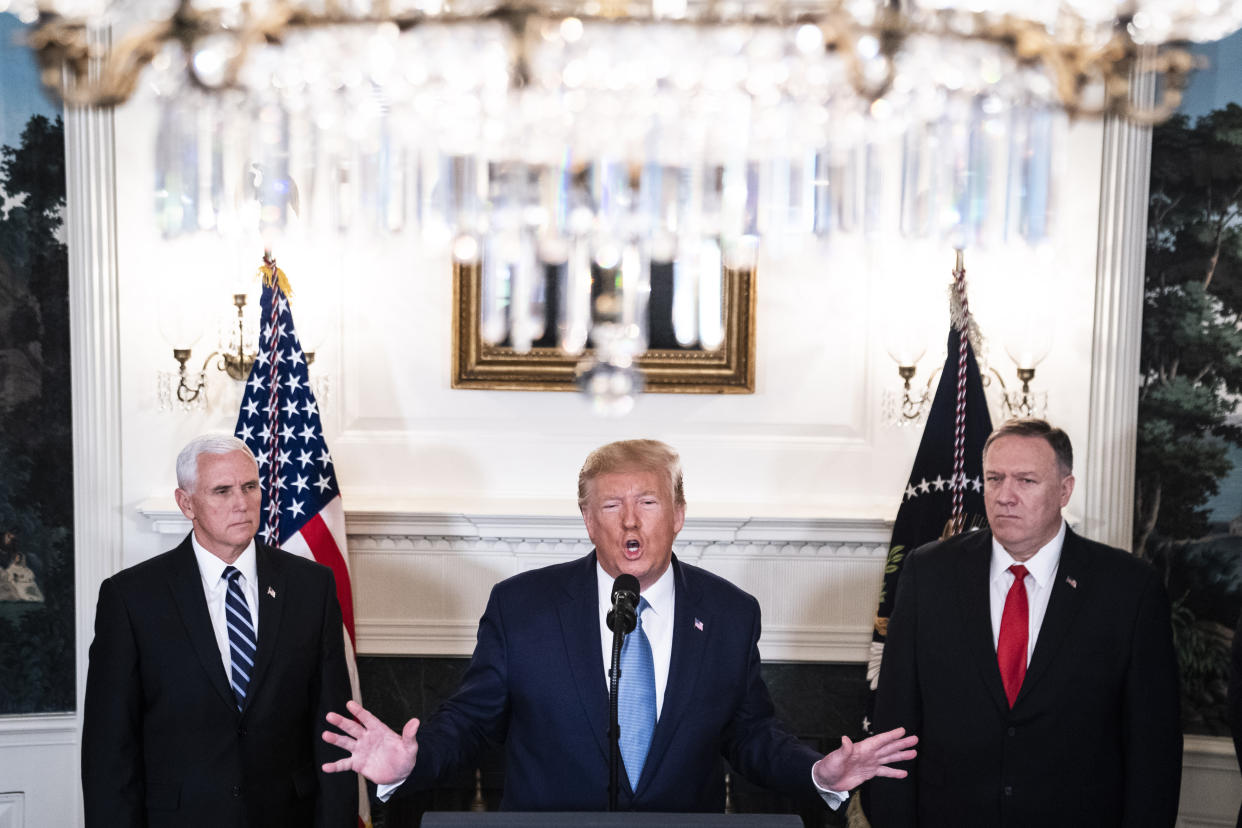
1041,566
211,567
659,595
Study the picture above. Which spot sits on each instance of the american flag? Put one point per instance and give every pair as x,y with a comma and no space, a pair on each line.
279,421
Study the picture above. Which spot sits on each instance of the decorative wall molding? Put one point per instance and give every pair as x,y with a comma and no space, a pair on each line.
421,580
12,809
39,782
1211,787
376,529
40,731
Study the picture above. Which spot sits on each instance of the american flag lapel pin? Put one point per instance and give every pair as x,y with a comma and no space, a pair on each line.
271,593
1072,582
698,625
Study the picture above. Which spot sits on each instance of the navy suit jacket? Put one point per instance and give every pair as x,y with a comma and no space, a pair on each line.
1094,737
536,683
163,743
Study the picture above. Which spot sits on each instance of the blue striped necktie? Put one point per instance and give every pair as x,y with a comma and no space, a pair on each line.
241,634
636,699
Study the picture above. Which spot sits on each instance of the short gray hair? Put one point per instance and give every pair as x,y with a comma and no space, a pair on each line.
187,460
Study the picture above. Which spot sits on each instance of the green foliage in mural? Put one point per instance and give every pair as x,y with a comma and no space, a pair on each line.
1191,359
36,451
1190,388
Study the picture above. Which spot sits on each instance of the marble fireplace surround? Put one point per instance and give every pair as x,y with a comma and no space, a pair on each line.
421,580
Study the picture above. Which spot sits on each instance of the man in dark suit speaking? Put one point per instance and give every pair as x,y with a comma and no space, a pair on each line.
690,690
1088,734
211,670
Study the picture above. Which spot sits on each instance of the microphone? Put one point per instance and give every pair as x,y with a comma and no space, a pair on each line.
624,601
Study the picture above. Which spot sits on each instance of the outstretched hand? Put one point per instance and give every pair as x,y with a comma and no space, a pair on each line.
850,765
375,749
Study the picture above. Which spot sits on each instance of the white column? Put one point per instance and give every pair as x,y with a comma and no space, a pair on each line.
1112,418
95,358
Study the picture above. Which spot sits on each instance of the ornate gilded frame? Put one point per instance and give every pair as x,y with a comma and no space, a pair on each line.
728,370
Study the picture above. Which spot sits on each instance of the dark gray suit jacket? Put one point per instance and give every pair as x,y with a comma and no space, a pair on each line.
1094,738
163,743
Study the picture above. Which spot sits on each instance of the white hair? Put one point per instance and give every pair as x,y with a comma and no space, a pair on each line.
187,460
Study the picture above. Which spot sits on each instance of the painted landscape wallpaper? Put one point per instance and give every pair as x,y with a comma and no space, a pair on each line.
1188,493
36,449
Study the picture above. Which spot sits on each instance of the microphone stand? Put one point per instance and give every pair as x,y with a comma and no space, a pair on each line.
614,729
621,619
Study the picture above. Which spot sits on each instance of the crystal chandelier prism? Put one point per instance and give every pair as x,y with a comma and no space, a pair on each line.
583,142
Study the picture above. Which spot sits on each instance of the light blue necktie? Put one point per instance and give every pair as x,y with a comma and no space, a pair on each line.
636,699
241,635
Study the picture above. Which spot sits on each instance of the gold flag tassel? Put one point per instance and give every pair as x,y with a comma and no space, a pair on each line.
273,275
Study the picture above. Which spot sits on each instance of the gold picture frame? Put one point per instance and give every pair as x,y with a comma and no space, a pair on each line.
728,370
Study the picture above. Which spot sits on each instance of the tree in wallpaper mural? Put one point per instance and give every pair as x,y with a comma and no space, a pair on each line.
1190,399
36,452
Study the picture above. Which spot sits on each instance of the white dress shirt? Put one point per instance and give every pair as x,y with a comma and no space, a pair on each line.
657,624
1041,569
215,587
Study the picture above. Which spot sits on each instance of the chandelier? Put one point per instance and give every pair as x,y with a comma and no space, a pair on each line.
577,142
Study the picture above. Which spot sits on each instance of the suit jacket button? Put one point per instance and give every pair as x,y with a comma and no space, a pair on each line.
236,791
1009,790
1013,731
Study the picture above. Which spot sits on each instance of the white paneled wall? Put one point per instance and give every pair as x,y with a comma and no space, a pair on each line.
790,489
38,771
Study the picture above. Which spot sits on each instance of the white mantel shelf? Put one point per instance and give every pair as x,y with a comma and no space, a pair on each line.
421,579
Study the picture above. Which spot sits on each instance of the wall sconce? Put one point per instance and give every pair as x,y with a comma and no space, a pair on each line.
1027,341
908,407
906,343
1024,402
235,354
187,390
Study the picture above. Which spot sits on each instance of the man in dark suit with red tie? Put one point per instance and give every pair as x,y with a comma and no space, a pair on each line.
1037,667
212,667
689,697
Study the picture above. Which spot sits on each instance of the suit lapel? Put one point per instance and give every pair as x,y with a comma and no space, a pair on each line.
579,616
974,563
1070,584
689,645
272,599
186,583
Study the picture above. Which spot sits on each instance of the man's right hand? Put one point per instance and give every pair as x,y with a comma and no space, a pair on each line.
375,750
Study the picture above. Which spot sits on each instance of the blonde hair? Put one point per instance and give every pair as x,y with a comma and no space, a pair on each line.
632,455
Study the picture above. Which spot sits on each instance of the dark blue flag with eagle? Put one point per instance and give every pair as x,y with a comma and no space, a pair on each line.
944,495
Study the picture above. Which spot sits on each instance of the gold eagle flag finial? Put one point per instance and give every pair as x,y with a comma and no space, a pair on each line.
273,275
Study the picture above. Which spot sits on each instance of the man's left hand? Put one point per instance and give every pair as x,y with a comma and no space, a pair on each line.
852,764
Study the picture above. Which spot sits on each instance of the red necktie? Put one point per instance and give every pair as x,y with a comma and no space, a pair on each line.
1011,645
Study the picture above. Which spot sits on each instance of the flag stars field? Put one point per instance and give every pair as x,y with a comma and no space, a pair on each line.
940,484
